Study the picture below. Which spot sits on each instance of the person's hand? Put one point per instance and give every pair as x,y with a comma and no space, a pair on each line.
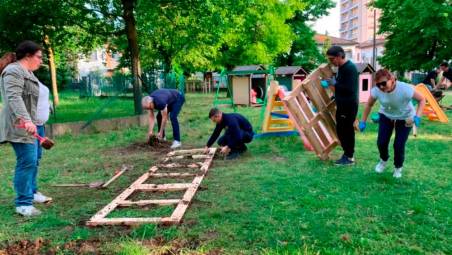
362,126
206,150
417,121
30,127
225,150
160,135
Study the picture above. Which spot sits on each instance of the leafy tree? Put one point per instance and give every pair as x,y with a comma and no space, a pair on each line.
304,50
417,33
179,32
256,31
56,24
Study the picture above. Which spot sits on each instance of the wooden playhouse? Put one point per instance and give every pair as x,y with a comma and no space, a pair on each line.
366,72
246,81
286,75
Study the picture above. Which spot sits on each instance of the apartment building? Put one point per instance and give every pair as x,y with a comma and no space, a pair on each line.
357,21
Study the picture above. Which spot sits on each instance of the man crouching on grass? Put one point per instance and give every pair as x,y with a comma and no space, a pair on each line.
238,132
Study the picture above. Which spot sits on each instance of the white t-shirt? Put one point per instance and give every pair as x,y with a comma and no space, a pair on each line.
397,104
43,110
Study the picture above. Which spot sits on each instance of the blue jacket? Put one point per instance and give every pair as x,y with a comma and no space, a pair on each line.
235,125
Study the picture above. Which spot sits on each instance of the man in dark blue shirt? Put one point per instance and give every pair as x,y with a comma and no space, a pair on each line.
346,96
165,101
238,132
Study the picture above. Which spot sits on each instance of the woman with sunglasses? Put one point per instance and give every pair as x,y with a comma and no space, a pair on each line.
396,112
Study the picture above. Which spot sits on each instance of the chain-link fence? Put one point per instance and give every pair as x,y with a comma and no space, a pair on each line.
95,85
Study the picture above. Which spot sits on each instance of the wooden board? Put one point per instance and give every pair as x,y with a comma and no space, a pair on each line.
100,218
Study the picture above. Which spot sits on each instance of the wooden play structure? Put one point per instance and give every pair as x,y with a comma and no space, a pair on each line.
227,99
276,121
176,165
246,80
432,109
286,75
366,72
312,111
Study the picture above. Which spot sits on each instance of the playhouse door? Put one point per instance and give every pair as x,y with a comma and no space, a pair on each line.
241,90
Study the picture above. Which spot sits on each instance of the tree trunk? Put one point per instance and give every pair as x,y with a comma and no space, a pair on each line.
52,67
132,38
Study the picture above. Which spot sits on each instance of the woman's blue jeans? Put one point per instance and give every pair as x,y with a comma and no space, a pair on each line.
27,161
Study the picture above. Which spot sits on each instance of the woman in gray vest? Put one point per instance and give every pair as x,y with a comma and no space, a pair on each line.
20,91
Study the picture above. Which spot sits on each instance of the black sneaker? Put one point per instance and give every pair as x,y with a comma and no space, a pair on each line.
242,149
233,155
344,161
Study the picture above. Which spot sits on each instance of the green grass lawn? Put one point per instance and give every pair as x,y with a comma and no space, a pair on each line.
277,199
73,108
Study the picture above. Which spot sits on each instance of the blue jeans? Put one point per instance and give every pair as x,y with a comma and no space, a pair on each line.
26,171
174,111
385,128
41,132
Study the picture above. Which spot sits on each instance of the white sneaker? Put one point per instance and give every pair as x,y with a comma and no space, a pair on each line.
27,211
176,144
38,197
380,167
397,173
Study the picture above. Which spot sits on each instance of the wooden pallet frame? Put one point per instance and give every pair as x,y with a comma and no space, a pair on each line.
319,125
100,218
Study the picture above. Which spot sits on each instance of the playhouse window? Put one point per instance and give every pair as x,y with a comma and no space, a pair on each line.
365,85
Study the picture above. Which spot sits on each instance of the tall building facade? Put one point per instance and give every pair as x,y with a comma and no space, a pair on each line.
357,21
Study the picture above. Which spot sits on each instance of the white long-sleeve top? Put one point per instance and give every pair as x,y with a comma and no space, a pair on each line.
43,110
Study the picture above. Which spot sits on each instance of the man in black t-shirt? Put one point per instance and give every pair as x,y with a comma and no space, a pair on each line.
430,79
165,101
447,73
346,96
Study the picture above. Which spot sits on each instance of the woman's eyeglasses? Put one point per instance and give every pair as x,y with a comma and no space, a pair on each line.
381,84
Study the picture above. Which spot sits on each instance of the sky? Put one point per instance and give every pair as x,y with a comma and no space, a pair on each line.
329,23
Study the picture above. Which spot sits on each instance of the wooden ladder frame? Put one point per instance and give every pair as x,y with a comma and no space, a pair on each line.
319,124
274,106
100,218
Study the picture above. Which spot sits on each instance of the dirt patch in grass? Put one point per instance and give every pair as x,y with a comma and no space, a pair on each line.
159,246
161,147
40,246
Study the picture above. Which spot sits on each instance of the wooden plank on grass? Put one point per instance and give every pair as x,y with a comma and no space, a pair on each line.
130,221
164,187
123,196
127,203
179,212
172,175
185,152
182,204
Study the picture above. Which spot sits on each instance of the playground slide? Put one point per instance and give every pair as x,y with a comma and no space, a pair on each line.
432,108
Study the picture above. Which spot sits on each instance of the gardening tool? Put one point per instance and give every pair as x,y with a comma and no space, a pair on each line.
95,184
124,168
45,142
91,185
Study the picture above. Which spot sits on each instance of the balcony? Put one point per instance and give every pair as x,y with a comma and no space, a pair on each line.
350,7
